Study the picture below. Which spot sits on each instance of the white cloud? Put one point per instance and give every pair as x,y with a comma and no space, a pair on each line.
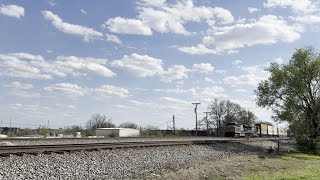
307,19
203,68
12,66
299,6
176,90
12,10
128,26
86,33
30,108
207,94
173,103
209,80
109,90
74,90
175,72
200,49
253,10
165,17
113,38
19,85
83,11
139,65
71,90
279,60
36,67
70,64
268,29
251,77
237,62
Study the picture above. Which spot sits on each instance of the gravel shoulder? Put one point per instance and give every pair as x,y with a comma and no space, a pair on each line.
170,162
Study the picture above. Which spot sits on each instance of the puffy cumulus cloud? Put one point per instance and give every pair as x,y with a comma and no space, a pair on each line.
300,6
175,72
266,30
72,64
165,17
146,66
31,66
251,77
12,10
309,19
19,85
139,65
12,66
113,38
128,26
203,68
86,33
74,90
253,10
71,90
109,90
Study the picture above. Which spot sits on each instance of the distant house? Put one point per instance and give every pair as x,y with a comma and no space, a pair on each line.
117,132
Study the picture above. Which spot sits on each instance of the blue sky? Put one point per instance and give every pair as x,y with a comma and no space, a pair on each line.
142,61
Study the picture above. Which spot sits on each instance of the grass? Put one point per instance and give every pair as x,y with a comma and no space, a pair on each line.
292,166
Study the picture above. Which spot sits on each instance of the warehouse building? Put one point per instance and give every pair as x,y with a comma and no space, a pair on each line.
117,132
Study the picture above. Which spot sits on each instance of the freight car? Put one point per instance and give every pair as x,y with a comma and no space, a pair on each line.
233,129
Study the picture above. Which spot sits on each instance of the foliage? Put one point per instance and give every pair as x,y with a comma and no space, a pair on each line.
224,111
98,120
292,91
129,125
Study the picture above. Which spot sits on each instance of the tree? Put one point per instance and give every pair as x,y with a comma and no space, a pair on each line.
98,120
224,111
293,93
246,117
129,125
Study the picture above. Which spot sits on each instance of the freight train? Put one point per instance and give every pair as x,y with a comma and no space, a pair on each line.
233,129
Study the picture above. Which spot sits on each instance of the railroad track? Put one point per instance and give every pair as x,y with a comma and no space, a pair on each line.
61,148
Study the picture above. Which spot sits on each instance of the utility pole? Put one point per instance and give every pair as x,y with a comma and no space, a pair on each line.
10,126
207,122
174,125
48,124
195,111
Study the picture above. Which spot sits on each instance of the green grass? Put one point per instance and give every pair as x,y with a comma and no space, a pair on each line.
292,166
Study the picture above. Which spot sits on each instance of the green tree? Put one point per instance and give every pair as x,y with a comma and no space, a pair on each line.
293,93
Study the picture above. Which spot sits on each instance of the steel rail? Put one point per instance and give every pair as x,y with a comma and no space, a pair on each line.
60,148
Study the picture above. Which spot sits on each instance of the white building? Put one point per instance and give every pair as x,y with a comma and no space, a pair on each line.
117,132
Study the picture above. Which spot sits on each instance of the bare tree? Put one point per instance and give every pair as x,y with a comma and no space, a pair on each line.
98,120
129,125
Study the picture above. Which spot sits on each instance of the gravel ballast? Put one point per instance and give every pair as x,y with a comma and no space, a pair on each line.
127,163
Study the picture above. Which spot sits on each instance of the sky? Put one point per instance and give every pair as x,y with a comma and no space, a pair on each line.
142,61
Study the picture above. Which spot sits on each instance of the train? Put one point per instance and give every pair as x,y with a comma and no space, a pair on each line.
233,129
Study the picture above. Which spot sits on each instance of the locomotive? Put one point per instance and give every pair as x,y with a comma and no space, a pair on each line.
233,129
